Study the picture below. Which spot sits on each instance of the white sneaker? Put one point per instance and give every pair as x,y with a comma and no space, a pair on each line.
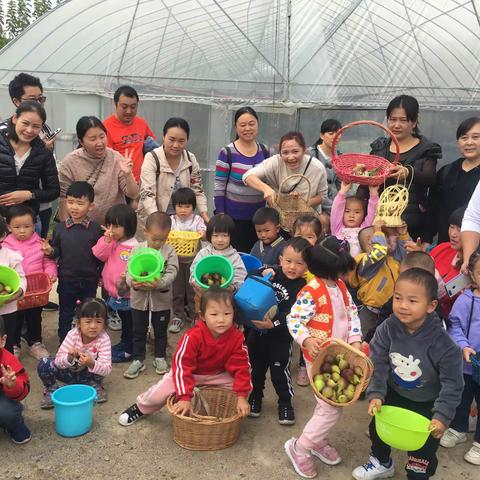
134,369
160,365
451,438
373,469
473,455
175,326
114,321
38,351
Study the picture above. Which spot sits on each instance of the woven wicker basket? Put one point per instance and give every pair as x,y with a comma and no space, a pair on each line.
356,358
214,424
38,290
185,244
290,207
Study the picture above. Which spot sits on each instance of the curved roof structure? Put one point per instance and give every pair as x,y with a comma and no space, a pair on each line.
300,52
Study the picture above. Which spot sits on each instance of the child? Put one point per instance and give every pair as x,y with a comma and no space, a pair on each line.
417,366
219,231
323,309
349,216
377,269
271,347
115,248
270,244
72,242
465,331
14,387
152,298
310,228
8,310
210,353
83,357
23,239
184,201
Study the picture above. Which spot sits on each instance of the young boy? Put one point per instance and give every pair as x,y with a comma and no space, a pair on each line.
185,220
271,347
211,353
377,269
270,244
417,366
153,298
14,387
72,242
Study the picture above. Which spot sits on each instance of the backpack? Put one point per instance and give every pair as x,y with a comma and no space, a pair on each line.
157,164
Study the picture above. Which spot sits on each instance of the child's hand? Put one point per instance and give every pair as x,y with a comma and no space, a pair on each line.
15,297
313,346
203,233
467,351
85,360
146,286
267,271
45,247
412,246
107,233
357,345
374,405
243,407
373,190
53,279
437,428
345,187
183,407
72,353
378,224
8,376
265,324
197,288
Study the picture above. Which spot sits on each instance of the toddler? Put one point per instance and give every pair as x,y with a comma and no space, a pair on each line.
270,244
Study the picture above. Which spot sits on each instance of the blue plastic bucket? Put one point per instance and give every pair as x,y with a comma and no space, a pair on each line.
250,262
73,409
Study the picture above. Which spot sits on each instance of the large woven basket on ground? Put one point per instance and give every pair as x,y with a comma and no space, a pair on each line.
345,163
356,358
214,424
289,206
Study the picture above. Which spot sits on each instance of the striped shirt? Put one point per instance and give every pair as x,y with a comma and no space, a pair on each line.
232,196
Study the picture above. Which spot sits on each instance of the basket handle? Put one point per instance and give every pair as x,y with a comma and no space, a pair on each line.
338,134
296,175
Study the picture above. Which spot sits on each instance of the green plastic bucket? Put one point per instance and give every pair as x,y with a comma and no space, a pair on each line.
9,277
213,264
146,260
402,429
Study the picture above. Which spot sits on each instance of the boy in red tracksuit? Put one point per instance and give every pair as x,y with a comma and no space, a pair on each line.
211,353
14,386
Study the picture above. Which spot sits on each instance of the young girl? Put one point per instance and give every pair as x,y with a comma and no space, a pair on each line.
349,216
211,353
23,239
8,310
219,231
185,220
83,357
328,261
114,249
465,330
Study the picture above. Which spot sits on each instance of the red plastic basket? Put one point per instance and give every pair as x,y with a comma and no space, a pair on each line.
38,289
346,162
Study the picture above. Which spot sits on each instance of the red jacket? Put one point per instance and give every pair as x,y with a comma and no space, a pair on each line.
22,387
199,353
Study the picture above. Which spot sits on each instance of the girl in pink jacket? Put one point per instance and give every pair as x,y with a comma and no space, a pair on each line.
23,239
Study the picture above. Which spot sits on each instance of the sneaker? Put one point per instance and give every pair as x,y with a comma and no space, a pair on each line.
20,434
38,351
17,350
160,365
175,325
255,406
121,357
302,462
302,377
451,438
101,393
374,469
327,454
46,403
134,370
130,415
286,415
114,321
51,307
473,455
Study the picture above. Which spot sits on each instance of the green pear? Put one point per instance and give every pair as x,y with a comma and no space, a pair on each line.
319,383
342,399
331,383
343,364
335,369
336,377
358,371
327,392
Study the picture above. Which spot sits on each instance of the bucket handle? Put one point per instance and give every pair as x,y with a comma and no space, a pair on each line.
261,279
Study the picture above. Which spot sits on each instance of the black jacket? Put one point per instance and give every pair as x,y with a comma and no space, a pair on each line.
39,166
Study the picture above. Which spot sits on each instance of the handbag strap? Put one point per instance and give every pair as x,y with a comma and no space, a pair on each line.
303,174
470,316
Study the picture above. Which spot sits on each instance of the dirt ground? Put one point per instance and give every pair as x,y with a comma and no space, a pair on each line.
146,450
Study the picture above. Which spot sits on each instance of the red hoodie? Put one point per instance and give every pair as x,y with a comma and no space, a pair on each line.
22,386
199,353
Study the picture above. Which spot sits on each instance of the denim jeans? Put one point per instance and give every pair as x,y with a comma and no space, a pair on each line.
10,413
49,373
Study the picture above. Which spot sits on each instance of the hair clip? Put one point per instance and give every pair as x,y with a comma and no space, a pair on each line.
78,302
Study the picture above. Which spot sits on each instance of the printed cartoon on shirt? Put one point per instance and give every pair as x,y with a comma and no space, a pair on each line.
407,371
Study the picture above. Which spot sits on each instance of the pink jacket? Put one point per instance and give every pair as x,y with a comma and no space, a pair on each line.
115,255
34,260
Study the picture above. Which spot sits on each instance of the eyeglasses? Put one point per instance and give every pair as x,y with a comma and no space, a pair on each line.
40,99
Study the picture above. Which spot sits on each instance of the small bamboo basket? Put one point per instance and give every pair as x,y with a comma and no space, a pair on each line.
214,424
38,291
185,244
356,358
290,207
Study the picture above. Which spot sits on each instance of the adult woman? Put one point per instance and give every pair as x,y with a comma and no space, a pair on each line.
231,195
471,228
106,170
25,161
456,181
269,175
166,169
